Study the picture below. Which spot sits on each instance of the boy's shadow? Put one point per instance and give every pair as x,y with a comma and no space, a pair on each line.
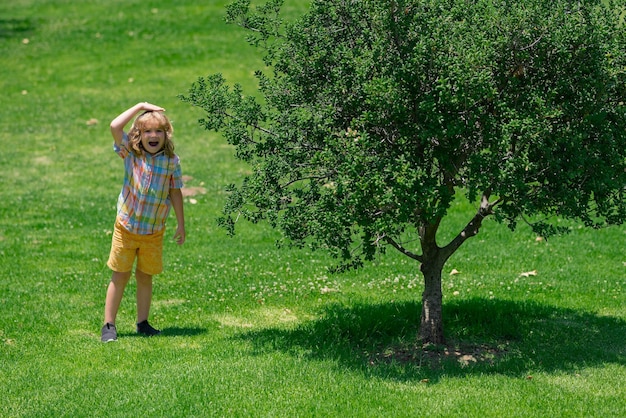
182,332
171,332
484,336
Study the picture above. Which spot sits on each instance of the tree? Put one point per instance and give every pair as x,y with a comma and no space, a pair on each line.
377,114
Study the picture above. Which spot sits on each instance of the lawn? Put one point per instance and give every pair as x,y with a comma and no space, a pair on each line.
536,328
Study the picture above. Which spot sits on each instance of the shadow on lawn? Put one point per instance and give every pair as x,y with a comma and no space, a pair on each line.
484,336
182,332
11,28
171,332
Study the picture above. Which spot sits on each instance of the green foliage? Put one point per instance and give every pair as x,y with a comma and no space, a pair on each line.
376,113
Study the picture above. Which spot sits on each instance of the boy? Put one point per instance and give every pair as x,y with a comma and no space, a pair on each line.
152,183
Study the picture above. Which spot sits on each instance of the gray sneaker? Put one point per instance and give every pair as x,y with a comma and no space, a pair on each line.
109,333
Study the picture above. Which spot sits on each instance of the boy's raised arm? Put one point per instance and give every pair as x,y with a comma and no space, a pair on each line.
117,124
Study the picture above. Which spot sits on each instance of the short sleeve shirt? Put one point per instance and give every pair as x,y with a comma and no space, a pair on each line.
144,203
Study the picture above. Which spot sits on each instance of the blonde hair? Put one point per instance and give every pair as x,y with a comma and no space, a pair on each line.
139,126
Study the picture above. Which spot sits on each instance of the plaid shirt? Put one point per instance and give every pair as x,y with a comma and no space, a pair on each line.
144,202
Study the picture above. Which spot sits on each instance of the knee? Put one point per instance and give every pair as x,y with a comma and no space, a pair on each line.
120,278
143,277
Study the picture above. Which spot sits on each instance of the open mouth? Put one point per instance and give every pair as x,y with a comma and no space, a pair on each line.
153,143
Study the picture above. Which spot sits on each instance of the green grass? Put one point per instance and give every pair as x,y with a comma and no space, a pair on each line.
250,329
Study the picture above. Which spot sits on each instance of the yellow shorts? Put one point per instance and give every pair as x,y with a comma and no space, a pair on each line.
125,246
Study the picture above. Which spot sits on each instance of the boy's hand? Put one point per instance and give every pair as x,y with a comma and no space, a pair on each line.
151,107
179,235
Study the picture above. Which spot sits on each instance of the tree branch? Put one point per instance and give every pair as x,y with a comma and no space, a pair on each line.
250,125
320,177
535,42
473,226
403,250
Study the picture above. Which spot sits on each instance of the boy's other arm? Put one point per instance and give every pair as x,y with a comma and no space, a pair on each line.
176,197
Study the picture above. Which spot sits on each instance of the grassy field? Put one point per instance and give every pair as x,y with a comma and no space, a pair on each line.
536,328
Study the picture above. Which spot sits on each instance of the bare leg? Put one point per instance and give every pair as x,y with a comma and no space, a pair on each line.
144,295
115,291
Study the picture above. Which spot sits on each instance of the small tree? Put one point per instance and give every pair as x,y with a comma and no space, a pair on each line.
378,113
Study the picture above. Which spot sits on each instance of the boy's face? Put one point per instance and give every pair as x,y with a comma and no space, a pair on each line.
152,137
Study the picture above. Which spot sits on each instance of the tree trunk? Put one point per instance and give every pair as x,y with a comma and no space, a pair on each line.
431,324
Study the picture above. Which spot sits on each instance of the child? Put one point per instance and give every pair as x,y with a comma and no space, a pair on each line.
152,184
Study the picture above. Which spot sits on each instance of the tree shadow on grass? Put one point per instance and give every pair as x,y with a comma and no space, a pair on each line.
484,336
